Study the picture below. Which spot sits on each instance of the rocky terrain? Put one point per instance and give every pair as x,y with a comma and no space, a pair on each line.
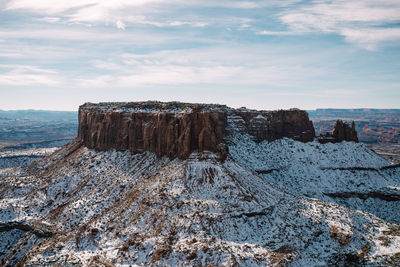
174,184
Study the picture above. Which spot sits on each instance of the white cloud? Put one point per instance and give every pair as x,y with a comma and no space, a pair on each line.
103,6
150,12
356,20
23,68
219,66
365,22
175,74
164,23
50,7
265,32
217,75
369,38
87,11
23,75
82,34
18,50
120,25
100,81
49,19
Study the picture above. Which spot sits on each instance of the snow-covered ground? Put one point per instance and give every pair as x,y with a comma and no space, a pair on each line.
83,207
346,173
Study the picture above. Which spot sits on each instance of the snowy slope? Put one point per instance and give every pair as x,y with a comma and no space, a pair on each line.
83,207
347,173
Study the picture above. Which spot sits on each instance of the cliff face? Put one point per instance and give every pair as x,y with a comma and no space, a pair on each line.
272,125
160,128
176,129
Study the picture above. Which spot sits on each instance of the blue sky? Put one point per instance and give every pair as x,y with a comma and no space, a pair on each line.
259,54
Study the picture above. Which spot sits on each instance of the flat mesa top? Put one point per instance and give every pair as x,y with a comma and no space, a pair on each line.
157,106
153,106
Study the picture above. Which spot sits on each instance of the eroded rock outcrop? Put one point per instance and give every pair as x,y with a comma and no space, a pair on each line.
342,131
176,129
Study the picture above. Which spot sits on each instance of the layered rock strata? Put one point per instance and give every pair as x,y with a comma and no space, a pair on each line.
170,129
272,125
176,129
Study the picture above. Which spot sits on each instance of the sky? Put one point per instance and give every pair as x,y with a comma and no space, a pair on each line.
57,55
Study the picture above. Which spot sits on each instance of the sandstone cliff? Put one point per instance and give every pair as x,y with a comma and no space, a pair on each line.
176,129
171,129
272,125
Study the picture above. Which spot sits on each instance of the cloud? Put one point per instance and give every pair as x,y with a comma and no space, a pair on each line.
61,33
120,25
369,38
104,6
89,11
152,12
100,81
24,75
63,6
358,20
217,66
23,68
175,74
16,50
121,11
49,19
265,32
355,20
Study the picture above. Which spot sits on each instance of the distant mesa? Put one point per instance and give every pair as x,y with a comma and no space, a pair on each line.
176,129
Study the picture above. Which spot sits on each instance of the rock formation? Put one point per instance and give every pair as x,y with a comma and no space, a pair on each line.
272,125
170,129
176,129
341,132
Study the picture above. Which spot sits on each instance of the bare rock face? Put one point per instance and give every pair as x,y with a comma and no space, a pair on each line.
272,125
341,132
171,129
176,129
